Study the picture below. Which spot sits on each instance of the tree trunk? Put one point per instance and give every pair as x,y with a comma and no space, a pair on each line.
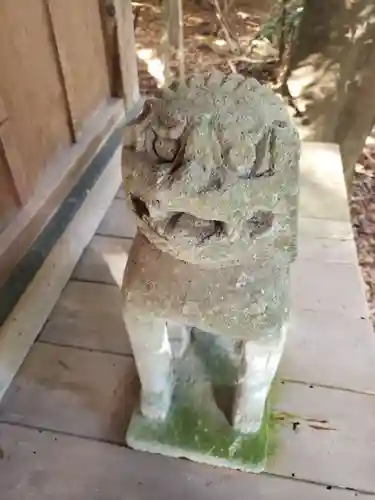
332,74
173,39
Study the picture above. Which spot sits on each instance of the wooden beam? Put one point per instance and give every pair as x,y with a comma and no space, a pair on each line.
127,52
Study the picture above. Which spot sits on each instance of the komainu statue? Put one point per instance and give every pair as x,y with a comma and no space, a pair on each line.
210,170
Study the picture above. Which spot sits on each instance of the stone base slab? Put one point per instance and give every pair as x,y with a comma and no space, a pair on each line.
198,424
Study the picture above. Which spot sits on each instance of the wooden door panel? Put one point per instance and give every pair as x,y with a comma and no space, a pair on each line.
3,113
79,38
30,86
11,157
13,183
9,202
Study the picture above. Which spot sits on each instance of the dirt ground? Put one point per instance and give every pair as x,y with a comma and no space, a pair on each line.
362,205
200,37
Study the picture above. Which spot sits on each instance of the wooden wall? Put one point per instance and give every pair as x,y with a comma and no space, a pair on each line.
79,39
53,76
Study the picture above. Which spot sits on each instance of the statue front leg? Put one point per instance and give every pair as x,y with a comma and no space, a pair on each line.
153,357
179,336
259,364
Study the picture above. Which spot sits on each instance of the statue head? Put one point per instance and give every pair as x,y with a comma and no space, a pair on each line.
207,165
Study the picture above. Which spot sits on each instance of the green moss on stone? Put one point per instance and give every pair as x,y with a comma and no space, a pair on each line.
197,428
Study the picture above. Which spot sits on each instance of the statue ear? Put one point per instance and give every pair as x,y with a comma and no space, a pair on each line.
141,114
138,122
174,131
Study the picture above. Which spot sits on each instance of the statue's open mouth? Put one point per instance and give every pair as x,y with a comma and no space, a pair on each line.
184,224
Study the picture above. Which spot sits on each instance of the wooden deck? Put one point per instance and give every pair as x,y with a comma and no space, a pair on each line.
63,419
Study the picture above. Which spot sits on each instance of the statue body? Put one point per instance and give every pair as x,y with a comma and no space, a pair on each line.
211,173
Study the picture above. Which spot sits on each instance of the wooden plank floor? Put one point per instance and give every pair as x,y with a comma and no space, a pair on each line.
64,418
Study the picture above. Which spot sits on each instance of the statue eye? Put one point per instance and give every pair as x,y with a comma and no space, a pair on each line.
166,149
260,222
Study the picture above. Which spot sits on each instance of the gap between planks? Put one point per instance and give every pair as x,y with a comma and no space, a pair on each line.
124,446
135,473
